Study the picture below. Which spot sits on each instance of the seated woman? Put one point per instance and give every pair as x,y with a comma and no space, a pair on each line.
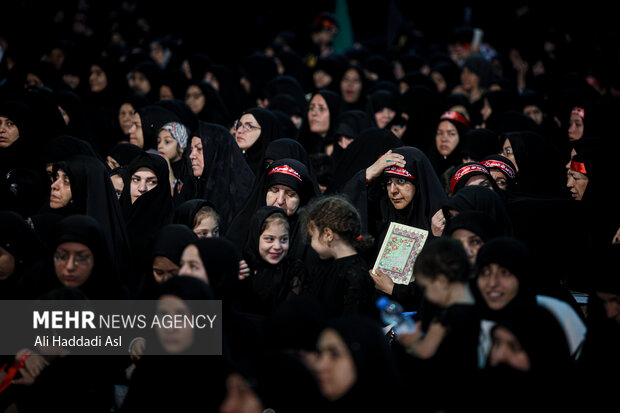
502,170
445,151
400,187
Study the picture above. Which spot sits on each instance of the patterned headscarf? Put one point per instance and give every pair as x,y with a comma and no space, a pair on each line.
178,132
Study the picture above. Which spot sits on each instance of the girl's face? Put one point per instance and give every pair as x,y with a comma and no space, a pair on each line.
142,181
240,397
135,131
283,197
336,372
73,263
351,86
318,115
125,117
192,265
196,157
319,242
208,227
61,190
168,147
273,243
447,138
498,286
195,99
575,128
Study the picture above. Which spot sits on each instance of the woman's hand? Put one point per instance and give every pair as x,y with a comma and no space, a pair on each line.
386,160
244,270
383,282
33,366
438,223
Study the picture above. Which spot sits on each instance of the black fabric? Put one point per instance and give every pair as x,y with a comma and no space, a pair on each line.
185,213
480,143
270,131
103,283
153,117
312,141
25,245
214,109
151,211
226,179
271,284
92,194
124,153
360,154
440,162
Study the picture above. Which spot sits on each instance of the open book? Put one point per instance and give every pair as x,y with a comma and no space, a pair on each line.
400,248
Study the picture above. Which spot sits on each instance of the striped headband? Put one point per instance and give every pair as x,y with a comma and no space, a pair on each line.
178,132
503,166
464,171
395,170
457,117
287,170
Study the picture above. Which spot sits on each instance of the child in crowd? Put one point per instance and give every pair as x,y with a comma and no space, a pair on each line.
340,282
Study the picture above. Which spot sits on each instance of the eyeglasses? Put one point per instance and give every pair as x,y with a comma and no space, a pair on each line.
245,127
78,260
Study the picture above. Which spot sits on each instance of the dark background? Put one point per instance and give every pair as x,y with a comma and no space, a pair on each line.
229,29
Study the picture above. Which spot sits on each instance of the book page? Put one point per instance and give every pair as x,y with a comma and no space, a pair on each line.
400,248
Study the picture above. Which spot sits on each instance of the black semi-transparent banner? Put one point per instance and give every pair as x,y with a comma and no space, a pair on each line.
111,327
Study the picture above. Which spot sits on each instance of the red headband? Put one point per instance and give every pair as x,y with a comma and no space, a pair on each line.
491,163
579,112
578,167
287,170
457,117
395,170
465,170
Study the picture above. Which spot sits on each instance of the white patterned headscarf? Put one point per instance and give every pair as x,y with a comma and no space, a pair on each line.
178,132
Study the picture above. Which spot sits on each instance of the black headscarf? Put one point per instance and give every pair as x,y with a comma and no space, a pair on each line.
540,165
26,247
477,222
312,141
479,143
292,149
151,211
185,213
63,146
440,162
226,178
20,153
153,117
483,199
302,184
270,131
214,109
463,172
360,154
124,153
373,358
103,282
92,194
270,284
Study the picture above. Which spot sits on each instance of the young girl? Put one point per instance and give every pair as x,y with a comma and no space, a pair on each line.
272,274
341,282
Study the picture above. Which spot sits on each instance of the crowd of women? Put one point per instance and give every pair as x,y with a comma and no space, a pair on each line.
154,172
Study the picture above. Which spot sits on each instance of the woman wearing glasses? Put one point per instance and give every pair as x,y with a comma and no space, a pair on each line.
255,129
79,259
401,186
